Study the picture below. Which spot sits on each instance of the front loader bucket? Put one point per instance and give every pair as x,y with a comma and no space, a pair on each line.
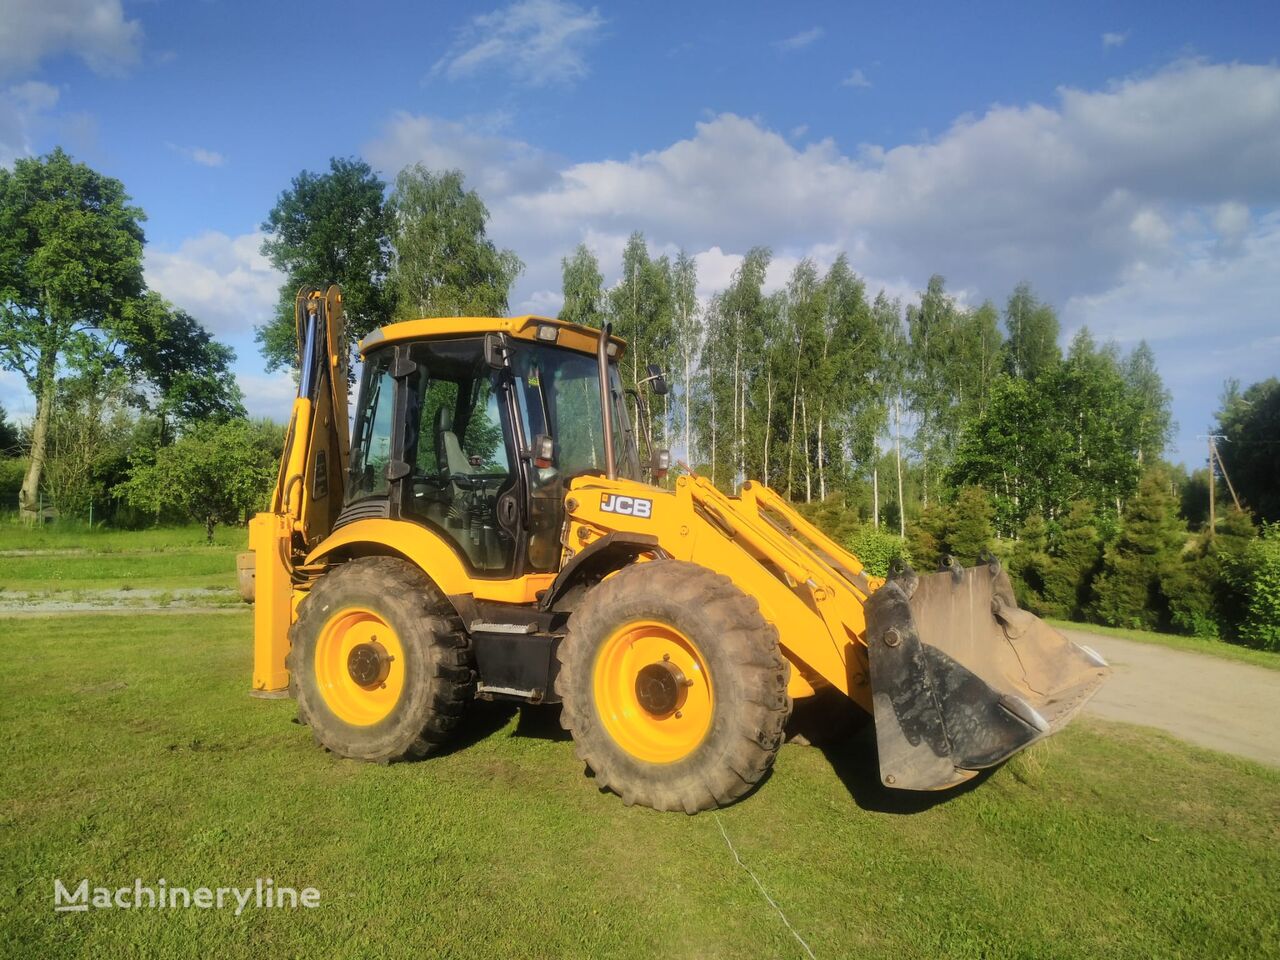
961,679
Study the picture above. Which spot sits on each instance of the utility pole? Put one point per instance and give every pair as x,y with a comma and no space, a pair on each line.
1225,476
1215,462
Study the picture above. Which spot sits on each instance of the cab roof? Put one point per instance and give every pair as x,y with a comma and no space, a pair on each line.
571,336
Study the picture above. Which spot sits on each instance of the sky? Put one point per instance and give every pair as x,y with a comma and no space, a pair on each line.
1124,159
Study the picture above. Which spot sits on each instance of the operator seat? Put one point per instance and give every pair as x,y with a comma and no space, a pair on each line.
449,455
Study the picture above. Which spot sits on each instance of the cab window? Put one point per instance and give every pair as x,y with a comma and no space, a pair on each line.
462,481
371,439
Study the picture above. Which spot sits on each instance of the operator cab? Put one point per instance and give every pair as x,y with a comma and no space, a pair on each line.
453,431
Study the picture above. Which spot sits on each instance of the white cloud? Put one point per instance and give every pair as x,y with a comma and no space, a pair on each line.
857,79
800,40
1101,199
494,164
1067,196
224,282
1110,39
206,158
22,108
537,41
96,31
268,394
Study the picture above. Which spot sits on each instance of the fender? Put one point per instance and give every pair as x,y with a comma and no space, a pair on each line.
431,554
611,552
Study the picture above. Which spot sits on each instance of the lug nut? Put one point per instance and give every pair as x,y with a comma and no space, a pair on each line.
679,714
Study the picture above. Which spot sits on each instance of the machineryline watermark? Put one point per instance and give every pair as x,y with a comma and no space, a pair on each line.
264,894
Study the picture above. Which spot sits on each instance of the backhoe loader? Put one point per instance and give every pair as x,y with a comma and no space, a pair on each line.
489,530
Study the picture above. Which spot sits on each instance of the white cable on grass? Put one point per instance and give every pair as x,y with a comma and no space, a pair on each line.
763,892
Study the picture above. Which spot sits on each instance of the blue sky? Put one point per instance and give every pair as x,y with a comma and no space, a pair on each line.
1123,158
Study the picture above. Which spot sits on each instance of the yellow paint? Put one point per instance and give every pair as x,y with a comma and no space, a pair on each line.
273,606
817,611
661,738
432,554
807,586
360,706
571,335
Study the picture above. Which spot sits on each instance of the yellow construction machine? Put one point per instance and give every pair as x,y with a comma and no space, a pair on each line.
490,530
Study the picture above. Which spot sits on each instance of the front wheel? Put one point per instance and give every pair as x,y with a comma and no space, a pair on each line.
673,687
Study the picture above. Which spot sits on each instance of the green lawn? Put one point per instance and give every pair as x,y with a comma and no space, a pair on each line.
133,751
73,563
1215,648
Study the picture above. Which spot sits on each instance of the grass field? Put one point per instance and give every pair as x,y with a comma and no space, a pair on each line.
68,565
133,752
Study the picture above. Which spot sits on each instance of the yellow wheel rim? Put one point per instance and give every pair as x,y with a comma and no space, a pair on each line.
653,691
359,667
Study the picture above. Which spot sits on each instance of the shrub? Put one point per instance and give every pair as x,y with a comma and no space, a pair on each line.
11,473
877,549
1256,574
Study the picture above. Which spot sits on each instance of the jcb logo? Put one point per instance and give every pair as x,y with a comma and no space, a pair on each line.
631,506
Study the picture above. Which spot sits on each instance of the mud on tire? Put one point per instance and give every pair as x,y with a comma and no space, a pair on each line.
746,667
438,678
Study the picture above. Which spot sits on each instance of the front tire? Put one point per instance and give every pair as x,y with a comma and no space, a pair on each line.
379,663
673,687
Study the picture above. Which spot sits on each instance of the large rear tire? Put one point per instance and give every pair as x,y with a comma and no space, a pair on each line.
379,663
673,687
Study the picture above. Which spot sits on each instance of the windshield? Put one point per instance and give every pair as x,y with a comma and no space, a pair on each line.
558,393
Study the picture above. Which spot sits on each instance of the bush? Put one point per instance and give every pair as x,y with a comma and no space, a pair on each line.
1256,574
12,470
877,549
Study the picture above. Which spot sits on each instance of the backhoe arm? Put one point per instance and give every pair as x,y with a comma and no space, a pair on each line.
309,486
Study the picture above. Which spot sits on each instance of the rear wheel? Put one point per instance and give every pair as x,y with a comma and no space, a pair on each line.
378,662
673,686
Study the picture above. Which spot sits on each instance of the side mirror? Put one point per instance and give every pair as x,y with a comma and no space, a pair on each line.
660,465
656,380
497,356
543,452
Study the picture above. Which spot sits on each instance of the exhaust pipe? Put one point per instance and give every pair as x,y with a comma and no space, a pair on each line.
606,401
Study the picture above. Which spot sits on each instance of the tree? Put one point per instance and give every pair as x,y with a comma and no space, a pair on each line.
1151,423
88,432
329,228
583,288
1128,590
214,473
1032,347
687,338
1074,557
70,263
969,534
1030,563
927,536
641,309
185,373
9,436
1250,421
445,264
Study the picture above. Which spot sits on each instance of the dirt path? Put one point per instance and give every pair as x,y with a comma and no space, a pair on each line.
1233,707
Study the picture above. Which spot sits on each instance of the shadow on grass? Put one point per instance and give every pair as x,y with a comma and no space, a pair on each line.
484,718
856,763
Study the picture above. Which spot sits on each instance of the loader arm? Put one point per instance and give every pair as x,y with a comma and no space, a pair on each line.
310,484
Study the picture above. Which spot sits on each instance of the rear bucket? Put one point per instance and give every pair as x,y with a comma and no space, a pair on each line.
962,679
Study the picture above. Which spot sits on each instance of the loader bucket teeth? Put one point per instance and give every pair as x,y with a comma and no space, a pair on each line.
962,679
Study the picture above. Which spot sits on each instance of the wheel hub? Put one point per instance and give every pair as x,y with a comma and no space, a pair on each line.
659,686
369,664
